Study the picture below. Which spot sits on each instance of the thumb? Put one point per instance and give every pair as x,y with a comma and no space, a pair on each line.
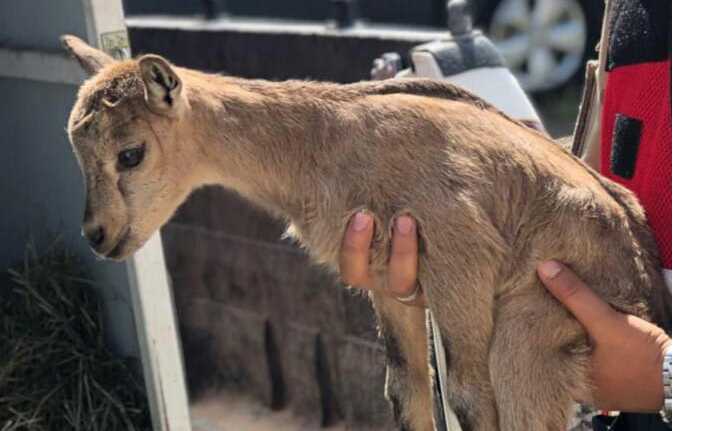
594,314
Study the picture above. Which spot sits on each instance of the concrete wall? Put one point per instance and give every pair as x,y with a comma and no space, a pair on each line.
41,188
38,23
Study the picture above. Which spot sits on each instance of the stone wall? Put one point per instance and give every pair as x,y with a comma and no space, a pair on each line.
256,317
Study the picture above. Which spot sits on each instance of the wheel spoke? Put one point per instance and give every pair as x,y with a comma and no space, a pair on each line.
568,37
541,64
513,13
515,50
547,11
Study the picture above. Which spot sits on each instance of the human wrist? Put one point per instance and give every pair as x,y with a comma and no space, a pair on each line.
666,410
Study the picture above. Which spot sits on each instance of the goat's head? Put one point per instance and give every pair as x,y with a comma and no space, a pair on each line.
125,132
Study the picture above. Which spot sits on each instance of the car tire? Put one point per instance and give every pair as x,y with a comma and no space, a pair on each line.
546,43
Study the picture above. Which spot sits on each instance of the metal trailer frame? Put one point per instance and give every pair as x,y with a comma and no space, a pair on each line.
150,290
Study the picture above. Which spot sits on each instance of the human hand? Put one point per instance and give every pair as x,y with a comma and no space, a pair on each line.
626,363
402,267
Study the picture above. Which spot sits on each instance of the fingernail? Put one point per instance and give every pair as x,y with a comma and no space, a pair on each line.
549,269
404,224
360,221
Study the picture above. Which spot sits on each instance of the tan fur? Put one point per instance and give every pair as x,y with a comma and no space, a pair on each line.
491,197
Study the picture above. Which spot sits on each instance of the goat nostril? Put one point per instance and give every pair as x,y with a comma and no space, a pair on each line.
97,236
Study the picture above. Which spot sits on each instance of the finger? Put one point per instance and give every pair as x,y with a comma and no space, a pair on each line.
402,271
593,313
355,251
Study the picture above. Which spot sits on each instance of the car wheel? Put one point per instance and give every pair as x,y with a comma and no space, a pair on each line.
545,42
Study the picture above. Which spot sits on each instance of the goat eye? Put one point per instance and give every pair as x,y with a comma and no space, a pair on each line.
132,157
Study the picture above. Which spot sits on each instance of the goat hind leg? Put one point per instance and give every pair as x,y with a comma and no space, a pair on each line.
538,363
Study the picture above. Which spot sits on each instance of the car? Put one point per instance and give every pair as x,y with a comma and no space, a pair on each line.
545,42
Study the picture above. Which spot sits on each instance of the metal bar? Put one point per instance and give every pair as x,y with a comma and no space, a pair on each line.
151,294
155,319
39,65
269,26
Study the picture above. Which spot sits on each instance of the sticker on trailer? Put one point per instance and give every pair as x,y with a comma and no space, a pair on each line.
116,44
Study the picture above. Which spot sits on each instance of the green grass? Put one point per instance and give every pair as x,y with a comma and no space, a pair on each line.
56,371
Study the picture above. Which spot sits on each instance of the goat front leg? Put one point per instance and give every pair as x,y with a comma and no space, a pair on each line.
408,383
538,362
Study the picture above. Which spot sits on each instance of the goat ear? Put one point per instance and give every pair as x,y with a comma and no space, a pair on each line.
91,59
162,85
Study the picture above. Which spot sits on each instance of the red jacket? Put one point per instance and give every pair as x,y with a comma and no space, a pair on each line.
636,120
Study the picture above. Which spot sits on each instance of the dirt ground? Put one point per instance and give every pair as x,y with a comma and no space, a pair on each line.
227,412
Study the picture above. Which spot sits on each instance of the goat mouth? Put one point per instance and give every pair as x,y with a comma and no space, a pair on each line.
120,245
